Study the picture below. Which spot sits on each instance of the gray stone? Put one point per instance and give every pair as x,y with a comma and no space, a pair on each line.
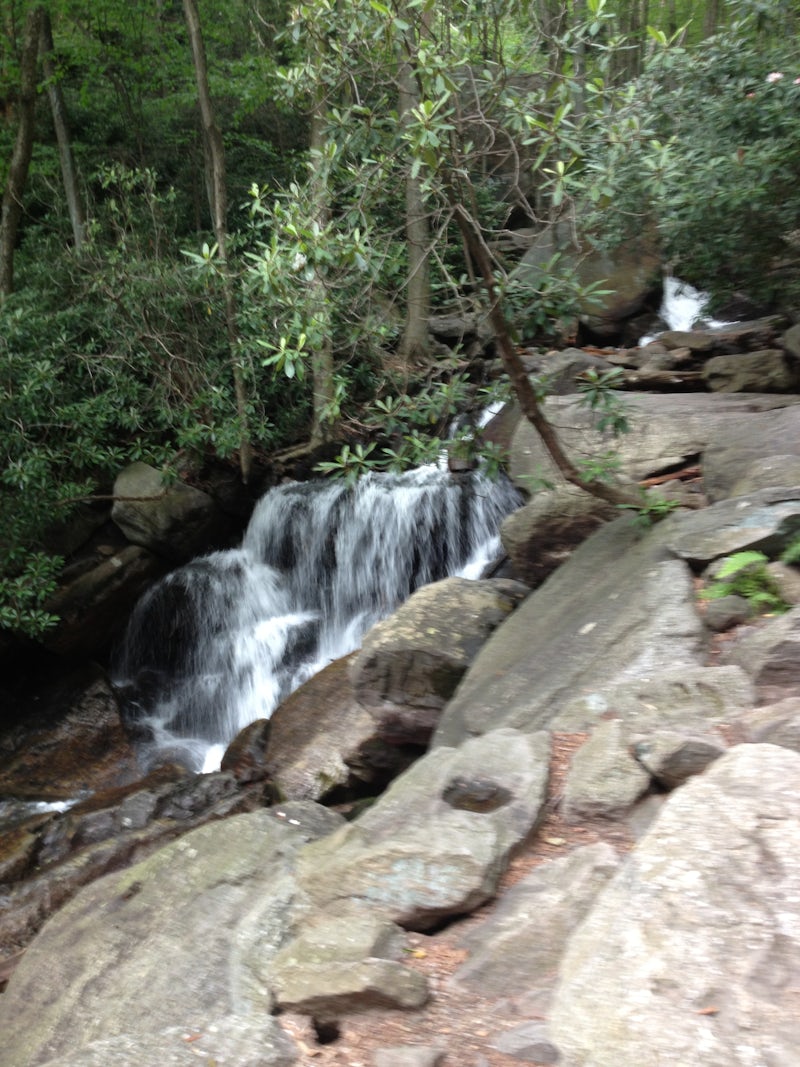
626,275
174,520
414,857
675,697
561,370
691,953
641,818
671,758
769,371
604,778
699,342
665,430
344,961
410,664
540,536
735,338
408,1056
519,946
529,1043
179,943
765,471
770,653
321,740
311,820
736,444
334,988
774,724
253,1043
766,520
725,612
618,609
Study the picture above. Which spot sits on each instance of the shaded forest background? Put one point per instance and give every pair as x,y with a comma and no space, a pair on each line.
225,226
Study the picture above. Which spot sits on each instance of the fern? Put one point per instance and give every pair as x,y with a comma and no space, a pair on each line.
791,554
745,574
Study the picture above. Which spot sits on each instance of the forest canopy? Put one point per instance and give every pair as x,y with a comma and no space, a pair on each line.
225,227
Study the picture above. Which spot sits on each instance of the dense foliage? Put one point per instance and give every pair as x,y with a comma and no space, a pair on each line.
355,138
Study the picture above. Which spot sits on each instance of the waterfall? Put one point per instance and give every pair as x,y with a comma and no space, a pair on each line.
221,641
683,308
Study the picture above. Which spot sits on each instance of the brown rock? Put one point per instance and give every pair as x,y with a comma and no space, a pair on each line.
77,744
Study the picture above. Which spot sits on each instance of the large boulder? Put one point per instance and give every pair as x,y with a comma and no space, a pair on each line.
668,697
766,520
620,608
520,945
628,276
168,959
322,742
770,654
173,520
410,664
690,954
769,371
73,743
539,536
48,857
435,844
665,431
736,444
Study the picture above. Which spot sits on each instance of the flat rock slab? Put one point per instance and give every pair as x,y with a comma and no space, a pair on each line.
679,698
664,430
520,945
736,444
176,944
618,609
691,953
766,520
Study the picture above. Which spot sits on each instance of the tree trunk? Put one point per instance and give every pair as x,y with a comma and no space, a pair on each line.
526,395
711,18
322,366
415,345
218,202
11,212
77,215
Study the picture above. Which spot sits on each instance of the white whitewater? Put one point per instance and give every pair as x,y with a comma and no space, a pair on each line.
683,308
220,642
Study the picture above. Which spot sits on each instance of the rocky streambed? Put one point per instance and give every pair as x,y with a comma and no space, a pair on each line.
674,941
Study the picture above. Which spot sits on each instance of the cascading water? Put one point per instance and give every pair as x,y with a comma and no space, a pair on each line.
682,308
223,640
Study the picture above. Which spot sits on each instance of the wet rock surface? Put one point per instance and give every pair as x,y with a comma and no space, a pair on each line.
596,956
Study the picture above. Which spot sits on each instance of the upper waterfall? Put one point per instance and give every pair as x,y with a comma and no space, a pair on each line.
221,641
